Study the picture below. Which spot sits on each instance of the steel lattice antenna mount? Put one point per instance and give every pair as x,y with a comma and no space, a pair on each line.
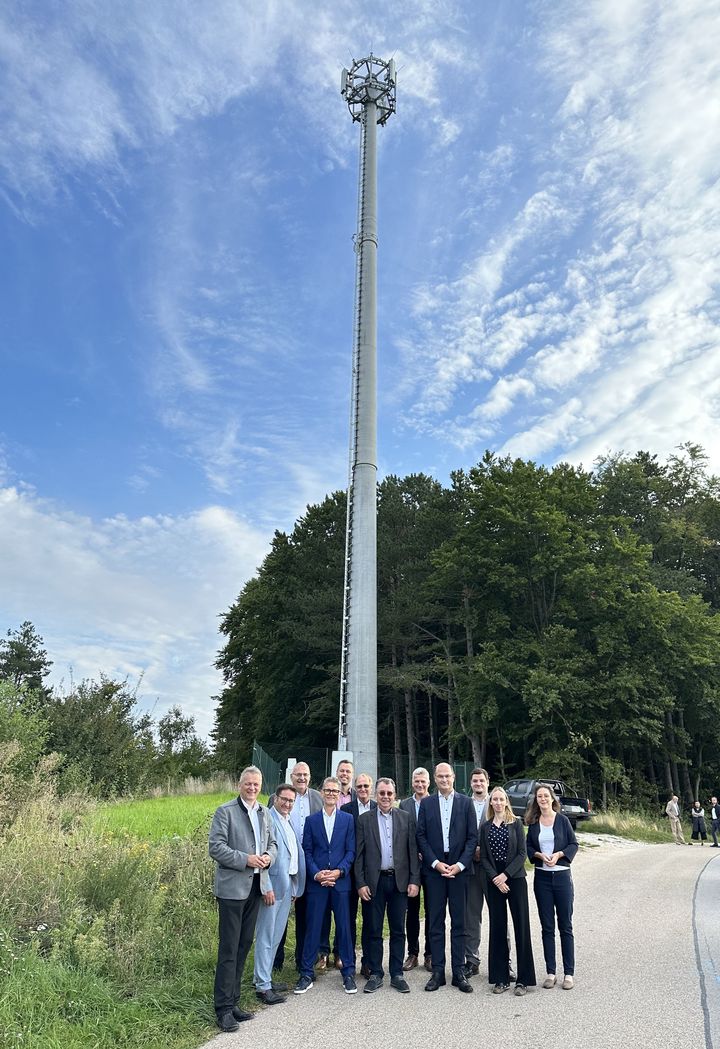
370,80
368,87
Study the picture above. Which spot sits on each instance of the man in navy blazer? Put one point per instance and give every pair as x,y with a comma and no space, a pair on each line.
446,838
329,844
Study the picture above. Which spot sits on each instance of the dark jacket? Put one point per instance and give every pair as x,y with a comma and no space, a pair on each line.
515,864
368,852
352,808
565,840
463,832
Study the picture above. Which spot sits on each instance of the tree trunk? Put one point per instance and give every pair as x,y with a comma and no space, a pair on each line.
698,766
501,754
673,753
431,726
397,740
685,770
410,731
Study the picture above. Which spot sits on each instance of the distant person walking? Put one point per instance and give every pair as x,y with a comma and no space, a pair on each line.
714,821
699,829
672,811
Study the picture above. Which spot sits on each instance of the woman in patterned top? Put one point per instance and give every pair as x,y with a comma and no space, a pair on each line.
502,854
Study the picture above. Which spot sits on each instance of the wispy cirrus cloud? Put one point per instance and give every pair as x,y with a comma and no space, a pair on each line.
601,291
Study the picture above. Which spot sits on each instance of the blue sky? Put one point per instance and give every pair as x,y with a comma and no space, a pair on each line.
177,203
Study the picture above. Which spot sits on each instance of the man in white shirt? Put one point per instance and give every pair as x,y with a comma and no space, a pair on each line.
672,810
287,882
477,879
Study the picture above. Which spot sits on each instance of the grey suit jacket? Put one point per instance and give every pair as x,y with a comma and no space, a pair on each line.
231,841
368,853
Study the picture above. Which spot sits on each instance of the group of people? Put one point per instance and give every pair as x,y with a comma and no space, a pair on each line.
697,815
330,851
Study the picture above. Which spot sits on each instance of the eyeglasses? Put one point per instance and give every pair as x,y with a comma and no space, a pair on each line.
284,798
330,790
385,793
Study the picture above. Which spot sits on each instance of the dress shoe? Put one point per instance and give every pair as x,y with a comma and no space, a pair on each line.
304,984
270,997
462,983
410,963
349,985
550,981
428,963
436,980
280,986
366,971
240,1014
227,1022
373,984
321,963
568,983
520,990
500,988
337,961
471,969
400,984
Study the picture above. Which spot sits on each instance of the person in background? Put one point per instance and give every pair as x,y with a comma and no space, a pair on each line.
672,810
714,821
552,846
502,853
242,842
411,805
477,879
344,776
699,830
361,803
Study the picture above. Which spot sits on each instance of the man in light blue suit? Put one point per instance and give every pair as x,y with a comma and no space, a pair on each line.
287,882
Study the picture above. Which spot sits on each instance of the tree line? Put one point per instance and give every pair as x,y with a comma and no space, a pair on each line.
548,621
104,745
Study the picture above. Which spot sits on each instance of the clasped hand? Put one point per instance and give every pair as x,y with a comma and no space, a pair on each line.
448,870
327,878
258,862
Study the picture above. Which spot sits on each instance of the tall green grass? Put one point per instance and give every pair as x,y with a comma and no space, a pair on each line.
108,929
633,825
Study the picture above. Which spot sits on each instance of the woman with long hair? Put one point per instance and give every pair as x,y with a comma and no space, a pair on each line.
502,854
552,846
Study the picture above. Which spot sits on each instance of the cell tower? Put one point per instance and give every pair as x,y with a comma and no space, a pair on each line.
368,87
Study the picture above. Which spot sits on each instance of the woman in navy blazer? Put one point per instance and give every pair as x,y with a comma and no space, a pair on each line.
552,846
502,854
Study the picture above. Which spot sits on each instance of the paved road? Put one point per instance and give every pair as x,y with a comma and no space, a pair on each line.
648,974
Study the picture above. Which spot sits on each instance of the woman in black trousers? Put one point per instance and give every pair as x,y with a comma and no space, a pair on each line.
502,854
552,846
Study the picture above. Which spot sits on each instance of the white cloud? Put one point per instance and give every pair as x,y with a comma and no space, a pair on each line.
128,596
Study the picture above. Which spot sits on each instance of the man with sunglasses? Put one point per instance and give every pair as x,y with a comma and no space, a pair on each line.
387,871
329,845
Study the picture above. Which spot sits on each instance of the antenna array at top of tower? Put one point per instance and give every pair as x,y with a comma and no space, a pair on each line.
369,80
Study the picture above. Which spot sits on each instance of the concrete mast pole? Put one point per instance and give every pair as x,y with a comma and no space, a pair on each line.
369,89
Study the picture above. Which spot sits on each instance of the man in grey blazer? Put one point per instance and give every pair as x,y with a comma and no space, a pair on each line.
411,805
307,801
287,878
387,871
242,843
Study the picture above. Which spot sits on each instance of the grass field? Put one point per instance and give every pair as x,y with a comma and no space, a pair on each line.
154,819
632,825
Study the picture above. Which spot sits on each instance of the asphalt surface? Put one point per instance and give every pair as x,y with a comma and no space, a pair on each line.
647,974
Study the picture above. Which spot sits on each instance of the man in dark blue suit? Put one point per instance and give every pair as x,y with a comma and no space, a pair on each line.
329,845
446,838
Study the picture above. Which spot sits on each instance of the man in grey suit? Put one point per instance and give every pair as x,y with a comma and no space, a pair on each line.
242,843
287,877
387,871
411,805
307,801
